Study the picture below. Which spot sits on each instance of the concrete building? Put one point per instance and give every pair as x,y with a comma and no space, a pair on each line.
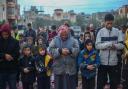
99,16
123,11
9,10
33,13
59,15
3,7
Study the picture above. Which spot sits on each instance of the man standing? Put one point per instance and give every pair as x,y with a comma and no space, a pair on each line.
30,32
64,49
108,41
9,53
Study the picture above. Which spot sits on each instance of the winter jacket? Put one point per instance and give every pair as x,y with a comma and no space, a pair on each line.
88,58
27,62
43,64
9,46
105,39
64,64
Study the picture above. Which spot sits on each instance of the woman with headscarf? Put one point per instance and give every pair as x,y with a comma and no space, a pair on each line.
64,49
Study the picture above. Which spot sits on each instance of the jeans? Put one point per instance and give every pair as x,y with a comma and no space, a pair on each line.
8,78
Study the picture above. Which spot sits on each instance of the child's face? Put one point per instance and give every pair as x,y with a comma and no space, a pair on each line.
40,41
26,51
42,51
87,36
30,41
89,46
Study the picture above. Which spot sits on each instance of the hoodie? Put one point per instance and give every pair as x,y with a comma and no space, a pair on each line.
8,46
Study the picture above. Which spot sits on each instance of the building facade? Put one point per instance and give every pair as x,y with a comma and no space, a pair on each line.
3,7
59,15
9,10
123,11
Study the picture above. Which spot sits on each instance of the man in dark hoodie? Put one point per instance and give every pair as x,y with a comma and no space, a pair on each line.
9,53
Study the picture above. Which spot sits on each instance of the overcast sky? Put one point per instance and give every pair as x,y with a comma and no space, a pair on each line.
87,6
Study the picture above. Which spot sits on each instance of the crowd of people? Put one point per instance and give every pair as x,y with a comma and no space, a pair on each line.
35,56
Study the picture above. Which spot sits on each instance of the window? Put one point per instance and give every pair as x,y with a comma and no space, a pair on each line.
11,11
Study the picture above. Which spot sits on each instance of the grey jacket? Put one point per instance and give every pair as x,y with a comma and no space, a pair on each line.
104,40
64,64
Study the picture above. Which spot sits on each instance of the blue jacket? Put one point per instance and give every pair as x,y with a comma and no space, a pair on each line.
88,58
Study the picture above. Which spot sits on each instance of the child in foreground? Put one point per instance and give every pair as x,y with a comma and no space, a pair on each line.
88,62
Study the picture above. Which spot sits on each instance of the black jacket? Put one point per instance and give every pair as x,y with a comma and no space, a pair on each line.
9,46
27,62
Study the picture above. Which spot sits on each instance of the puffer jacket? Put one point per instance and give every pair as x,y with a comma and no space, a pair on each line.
88,58
64,64
104,40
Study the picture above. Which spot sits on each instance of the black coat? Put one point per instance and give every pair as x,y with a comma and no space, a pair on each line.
27,62
9,46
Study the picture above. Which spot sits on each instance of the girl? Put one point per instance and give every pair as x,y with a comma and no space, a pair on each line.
88,61
43,67
27,66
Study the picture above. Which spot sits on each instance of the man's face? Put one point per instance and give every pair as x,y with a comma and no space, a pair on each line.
5,35
109,24
64,36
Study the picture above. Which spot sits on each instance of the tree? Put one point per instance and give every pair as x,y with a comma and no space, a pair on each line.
80,20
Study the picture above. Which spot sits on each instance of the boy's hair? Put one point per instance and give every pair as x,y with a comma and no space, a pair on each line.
26,46
81,34
87,33
109,17
40,37
53,27
29,38
88,41
29,24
